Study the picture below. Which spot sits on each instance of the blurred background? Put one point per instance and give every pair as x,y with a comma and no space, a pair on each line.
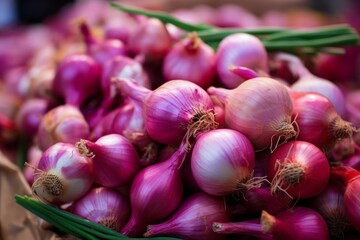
13,12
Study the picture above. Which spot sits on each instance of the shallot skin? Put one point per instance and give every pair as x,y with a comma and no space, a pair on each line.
64,175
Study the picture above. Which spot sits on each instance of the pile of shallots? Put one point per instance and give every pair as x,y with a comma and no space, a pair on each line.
130,125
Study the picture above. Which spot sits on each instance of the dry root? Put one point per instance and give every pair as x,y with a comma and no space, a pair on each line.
83,150
284,132
200,122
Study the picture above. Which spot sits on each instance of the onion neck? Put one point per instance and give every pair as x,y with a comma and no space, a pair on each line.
220,93
159,229
274,226
130,88
248,228
86,33
192,42
244,72
84,148
133,228
297,68
177,159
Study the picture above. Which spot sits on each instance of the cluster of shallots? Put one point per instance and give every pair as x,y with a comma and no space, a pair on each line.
128,125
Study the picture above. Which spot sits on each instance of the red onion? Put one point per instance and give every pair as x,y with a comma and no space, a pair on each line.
307,82
193,219
155,193
114,158
77,79
222,162
29,116
62,175
33,156
261,109
64,123
115,121
190,59
101,50
122,67
297,223
128,121
150,38
294,169
103,206
318,121
239,49
350,178
330,204
177,109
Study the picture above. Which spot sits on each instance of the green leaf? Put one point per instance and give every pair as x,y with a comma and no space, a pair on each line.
72,224
162,16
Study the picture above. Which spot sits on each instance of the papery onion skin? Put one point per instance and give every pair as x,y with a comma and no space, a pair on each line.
62,175
243,50
103,206
115,159
294,168
155,193
64,123
261,109
297,223
193,219
222,161
190,59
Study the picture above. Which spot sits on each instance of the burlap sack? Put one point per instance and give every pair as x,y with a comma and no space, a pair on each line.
16,223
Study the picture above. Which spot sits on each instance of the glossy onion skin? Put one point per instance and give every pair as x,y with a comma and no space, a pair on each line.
310,158
221,159
169,108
